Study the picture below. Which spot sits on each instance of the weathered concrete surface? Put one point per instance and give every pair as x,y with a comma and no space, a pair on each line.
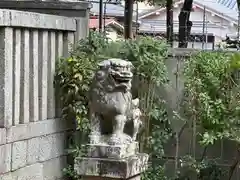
34,151
33,140
35,20
68,8
104,178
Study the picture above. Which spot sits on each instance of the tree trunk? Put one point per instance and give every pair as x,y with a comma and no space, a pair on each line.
100,15
128,16
169,7
185,24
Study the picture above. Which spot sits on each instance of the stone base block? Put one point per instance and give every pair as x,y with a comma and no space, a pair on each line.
124,168
112,151
138,177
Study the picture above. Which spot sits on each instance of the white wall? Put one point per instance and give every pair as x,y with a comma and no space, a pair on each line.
112,35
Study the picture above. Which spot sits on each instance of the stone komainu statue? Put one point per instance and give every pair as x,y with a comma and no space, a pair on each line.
111,103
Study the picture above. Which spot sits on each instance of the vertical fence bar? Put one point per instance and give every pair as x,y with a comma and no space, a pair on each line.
6,82
51,73
81,31
203,27
59,54
59,47
238,30
24,88
68,40
34,103
17,73
43,57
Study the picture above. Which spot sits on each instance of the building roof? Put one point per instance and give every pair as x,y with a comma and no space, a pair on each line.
230,4
222,10
111,9
152,11
94,23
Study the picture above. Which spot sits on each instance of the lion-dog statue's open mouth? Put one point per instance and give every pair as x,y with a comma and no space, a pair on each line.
120,73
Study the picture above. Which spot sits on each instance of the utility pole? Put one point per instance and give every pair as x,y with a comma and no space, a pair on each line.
104,15
128,17
169,22
136,18
185,24
100,15
238,28
203,27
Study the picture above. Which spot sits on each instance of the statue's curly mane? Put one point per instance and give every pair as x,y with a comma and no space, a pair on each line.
106,95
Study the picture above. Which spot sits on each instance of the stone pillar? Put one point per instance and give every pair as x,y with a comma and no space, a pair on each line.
6,83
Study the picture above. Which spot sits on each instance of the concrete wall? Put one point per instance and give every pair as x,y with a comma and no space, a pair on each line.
223,152
33,138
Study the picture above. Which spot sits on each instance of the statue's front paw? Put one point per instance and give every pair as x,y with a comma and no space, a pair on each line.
135,102
114,140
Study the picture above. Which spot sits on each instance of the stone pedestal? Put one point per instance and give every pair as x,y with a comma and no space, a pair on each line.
104,178
111,162
112,151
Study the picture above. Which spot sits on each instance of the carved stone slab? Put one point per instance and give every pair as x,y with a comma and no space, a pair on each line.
112,168
112,151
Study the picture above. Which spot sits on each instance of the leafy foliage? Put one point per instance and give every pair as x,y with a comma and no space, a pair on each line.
154,173
211,99
74,76
148,55
212,95
201,170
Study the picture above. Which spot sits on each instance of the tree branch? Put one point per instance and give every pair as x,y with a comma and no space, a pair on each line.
234,165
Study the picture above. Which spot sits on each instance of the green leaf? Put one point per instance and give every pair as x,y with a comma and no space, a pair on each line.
235,61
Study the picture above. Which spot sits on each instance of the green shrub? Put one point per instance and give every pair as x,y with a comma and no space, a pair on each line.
212,103
211,97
